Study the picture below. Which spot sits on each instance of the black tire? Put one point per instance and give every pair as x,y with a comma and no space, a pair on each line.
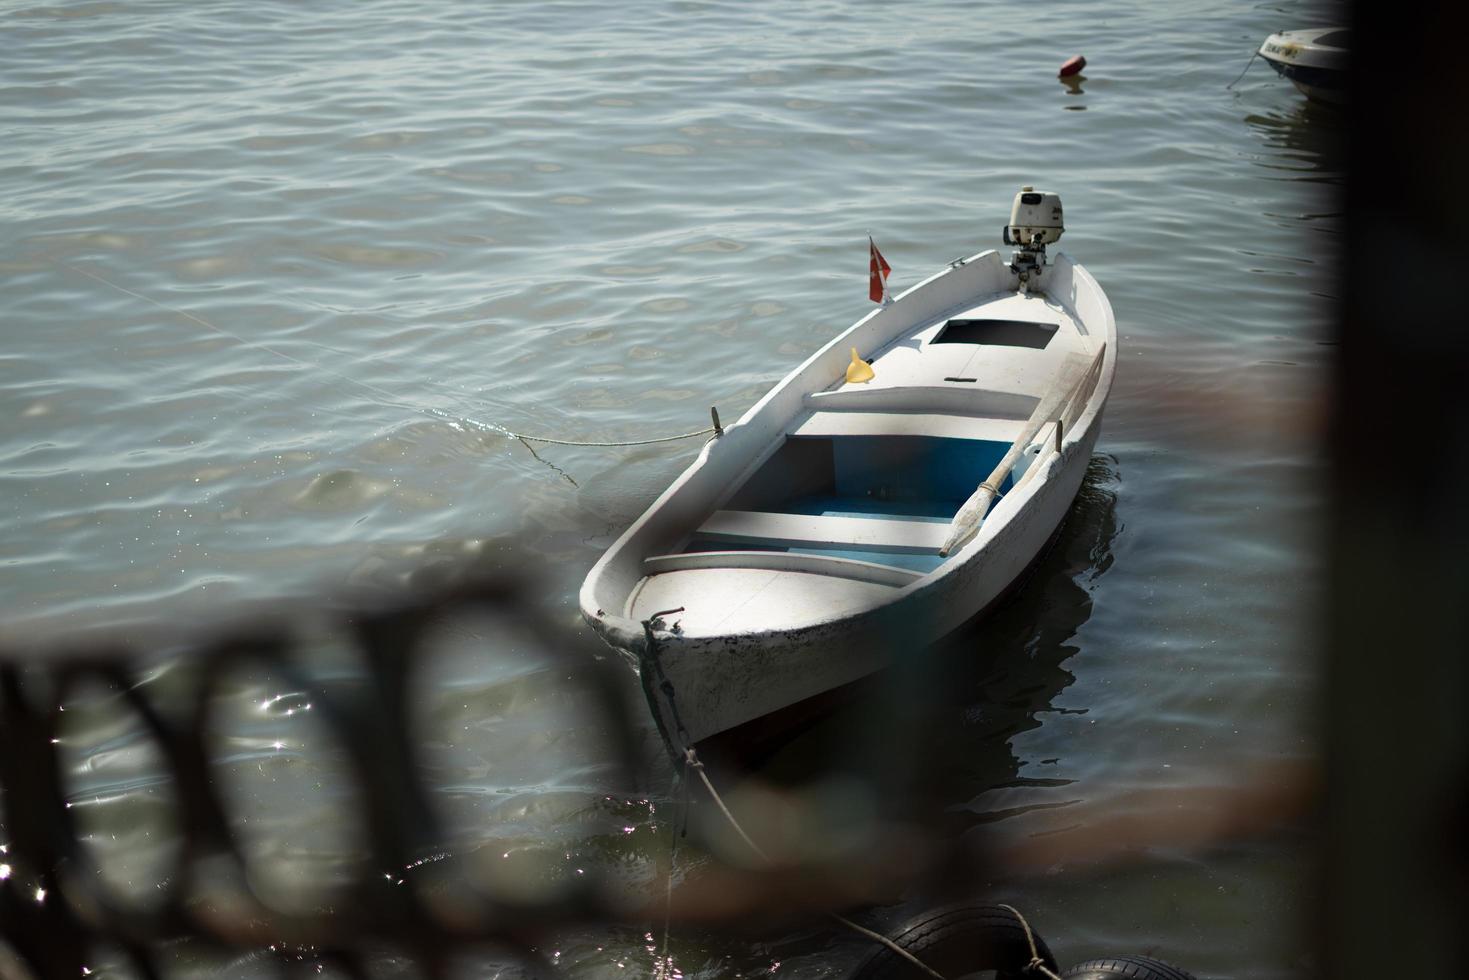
957,940
1129,967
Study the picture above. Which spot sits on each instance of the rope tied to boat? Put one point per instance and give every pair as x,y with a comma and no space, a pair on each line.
716,430
624,442
650,659
1242,74
678,827
691,761
501,430
1036,964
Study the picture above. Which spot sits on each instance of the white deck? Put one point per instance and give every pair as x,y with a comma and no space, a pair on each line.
914,362
981,391
747,600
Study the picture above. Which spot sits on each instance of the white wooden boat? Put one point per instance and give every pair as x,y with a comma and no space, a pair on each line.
803,549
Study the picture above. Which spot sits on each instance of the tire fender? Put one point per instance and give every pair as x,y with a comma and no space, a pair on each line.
956,940
1128,967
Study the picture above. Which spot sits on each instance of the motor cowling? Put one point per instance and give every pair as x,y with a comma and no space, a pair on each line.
1035,218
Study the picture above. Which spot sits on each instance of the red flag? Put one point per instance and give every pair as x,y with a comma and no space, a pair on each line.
877,285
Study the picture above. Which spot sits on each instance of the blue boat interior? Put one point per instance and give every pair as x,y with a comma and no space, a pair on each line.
908,478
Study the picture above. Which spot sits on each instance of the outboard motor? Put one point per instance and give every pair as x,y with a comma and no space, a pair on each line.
1035,222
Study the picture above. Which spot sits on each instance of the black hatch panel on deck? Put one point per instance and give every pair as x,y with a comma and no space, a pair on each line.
1001,333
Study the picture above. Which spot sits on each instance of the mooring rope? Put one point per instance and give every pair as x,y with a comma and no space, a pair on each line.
894,947
691,761
1036,963
625,442
650,657
664,968
1242,74
498,429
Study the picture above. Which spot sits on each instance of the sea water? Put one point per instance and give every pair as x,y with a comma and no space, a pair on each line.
278,278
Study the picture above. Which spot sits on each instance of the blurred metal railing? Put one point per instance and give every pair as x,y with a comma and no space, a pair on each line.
419,895
55,906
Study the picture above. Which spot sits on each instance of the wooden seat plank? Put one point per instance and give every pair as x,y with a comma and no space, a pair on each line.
805,530
837,424
783,561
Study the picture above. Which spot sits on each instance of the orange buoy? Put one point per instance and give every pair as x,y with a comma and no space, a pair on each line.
1072,66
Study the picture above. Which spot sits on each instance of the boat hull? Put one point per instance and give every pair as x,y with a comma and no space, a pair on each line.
1310,60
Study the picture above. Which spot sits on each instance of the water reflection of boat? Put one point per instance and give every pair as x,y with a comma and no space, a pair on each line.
1315,60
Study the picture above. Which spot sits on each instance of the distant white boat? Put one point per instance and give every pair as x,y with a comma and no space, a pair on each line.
841,522
1315,60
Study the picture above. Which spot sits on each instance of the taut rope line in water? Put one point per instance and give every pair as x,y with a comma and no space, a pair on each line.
1247,68
501,430
631,442
663,969
389,397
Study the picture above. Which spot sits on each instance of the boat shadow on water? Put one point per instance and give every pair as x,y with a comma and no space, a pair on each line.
915,744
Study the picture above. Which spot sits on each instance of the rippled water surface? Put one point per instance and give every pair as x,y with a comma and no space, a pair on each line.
274,274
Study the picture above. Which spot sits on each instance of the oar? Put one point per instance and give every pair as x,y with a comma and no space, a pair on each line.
1070,377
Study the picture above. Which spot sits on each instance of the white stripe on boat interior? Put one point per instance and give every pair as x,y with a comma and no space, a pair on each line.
783,561
807,530
958,398
827,424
